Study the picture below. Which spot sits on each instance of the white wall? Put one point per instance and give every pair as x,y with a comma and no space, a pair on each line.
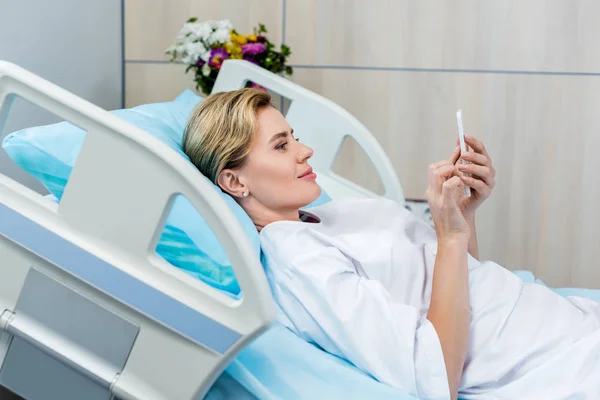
73,43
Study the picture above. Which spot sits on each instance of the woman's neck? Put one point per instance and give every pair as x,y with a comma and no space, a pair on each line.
263,217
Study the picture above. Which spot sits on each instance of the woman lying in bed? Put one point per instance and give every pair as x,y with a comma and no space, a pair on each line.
366,280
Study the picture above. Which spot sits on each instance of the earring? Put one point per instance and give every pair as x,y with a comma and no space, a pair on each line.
245,194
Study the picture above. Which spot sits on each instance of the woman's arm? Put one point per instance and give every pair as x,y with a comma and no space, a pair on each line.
449,309
473,245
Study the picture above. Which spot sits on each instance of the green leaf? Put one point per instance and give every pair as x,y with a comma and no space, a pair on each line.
192,20
288,70
262,28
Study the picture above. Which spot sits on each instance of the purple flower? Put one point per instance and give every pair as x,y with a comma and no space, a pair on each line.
253,49
261,39
253,61
217,56
199,63
257,86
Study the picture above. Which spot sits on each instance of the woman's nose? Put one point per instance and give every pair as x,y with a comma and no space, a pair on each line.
305,153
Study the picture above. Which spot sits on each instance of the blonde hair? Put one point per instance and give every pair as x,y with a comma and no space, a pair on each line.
221,129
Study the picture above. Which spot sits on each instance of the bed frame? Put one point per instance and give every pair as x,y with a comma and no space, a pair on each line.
87,308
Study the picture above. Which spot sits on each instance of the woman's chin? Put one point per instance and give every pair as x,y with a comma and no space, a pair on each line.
312,195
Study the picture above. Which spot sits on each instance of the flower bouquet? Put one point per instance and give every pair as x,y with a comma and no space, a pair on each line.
203,46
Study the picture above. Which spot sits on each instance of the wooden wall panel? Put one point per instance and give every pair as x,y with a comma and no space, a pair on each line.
534,35
540,131
152,25
167,82
152,83
526,74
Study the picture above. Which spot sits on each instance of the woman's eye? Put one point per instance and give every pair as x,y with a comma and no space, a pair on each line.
281,146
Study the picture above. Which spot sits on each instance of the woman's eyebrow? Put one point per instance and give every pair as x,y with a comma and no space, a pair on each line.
279,135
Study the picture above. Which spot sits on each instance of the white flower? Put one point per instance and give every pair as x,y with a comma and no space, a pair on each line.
171,49
202,31
176,50
219,36
189,59
205,56
192,51
195,39
195,30
186,29
223,24
194,48
206,69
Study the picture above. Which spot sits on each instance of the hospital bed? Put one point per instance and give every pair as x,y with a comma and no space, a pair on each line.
89,311
85,305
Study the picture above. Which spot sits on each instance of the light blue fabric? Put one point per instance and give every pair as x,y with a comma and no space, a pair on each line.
593,294
49,154
280,365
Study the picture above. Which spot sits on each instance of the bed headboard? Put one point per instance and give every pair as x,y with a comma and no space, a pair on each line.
122,174
322,124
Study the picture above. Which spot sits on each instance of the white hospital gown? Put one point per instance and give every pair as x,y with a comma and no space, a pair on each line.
358,284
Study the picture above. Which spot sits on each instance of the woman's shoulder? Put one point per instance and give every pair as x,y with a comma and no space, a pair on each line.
302,249
358,208
353,203
334,218
284,243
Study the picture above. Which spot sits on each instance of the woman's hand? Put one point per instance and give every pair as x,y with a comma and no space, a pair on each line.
482,175
445,194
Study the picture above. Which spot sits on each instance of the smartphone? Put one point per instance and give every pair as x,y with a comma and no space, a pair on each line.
463,145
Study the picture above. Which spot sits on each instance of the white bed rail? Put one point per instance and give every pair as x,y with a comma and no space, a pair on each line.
115,205
321,124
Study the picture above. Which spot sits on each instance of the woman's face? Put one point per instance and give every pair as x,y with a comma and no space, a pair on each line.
277,173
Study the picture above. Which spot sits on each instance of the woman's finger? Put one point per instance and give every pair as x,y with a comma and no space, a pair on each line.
435,174
450,161
476,158
466,145
439,164
438,175
455,155
443,172
453,190
476,144
478,185
486,174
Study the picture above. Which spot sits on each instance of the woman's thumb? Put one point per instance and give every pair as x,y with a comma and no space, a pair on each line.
451,188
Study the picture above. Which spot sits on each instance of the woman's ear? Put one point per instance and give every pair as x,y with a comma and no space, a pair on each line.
228,180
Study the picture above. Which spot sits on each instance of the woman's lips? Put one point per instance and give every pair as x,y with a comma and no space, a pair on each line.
308,174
